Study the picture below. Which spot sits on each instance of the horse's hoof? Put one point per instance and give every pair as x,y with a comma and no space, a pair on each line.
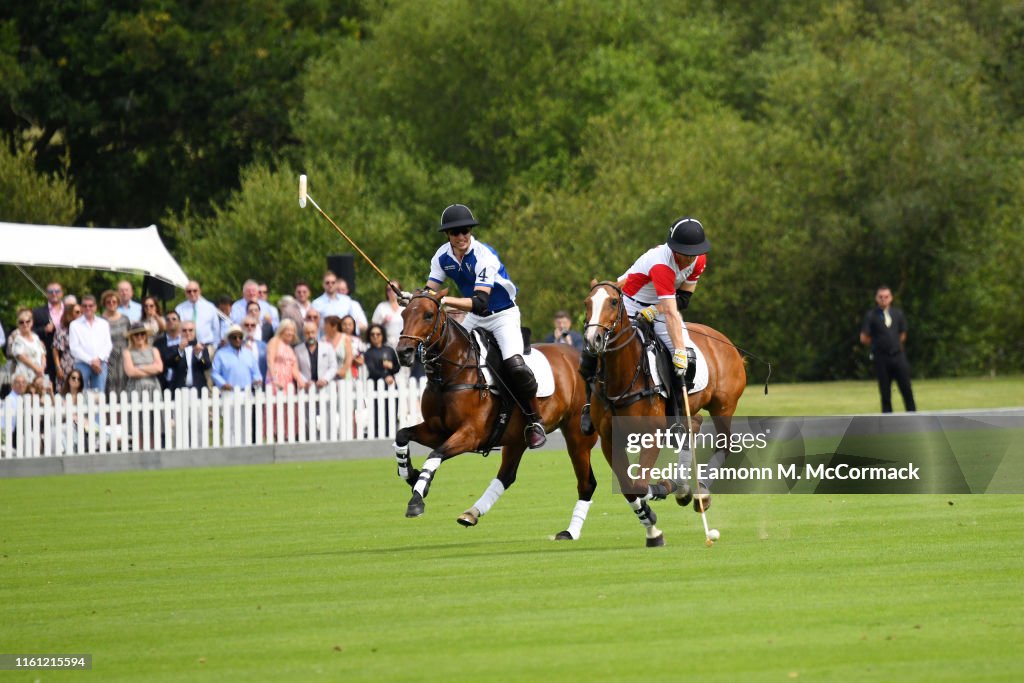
701,502
564,536
416,505
683,495
469,518
656,542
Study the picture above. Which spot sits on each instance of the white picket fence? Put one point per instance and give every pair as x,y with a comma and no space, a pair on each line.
341,411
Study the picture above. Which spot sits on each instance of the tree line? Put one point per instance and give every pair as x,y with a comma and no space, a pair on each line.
827,147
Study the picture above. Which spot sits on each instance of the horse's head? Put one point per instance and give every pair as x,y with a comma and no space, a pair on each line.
606,314
423,323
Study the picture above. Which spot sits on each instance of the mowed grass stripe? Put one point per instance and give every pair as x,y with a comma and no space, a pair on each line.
306,571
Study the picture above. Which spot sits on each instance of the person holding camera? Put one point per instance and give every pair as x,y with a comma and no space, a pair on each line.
189,361
563,332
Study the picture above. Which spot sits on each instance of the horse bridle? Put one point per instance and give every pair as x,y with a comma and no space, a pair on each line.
610,334
431,361
422,341
610,339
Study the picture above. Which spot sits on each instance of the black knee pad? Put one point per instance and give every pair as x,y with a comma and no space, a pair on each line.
521,376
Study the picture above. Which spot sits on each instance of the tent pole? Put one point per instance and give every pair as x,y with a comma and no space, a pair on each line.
29,278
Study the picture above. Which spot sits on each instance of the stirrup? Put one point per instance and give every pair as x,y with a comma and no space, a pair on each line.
535,436
586,424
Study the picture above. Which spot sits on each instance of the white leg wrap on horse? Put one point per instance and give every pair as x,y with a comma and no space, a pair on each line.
716,462
579,515
641,512
402,458
490,497
426,474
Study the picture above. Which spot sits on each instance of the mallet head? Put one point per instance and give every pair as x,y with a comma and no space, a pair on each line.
302,191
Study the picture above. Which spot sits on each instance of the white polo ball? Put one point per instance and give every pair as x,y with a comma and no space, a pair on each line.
714,535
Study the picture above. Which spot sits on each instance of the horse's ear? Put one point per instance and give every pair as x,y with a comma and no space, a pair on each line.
593,283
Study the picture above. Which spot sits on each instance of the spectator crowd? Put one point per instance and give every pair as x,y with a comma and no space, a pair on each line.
75,343
112,343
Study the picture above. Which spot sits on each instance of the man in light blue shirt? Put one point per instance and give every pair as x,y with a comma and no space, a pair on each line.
132,309
234,368
336,301
203,313
250,292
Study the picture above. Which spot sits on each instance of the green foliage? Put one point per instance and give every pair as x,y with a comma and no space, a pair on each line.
901,103
27,196
160,102
262,233
827,147
503,89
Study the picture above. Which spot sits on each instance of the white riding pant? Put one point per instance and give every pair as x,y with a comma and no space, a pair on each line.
660,327
505,326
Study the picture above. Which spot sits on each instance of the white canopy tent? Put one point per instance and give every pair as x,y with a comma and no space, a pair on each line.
124,250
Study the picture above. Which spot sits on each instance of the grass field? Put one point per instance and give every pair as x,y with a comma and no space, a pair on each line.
311,572
849,398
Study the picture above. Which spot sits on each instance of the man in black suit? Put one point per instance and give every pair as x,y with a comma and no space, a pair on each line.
190,360
45,320
885,331
166,345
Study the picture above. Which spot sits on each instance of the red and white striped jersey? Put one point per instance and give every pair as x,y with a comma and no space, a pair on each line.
655,275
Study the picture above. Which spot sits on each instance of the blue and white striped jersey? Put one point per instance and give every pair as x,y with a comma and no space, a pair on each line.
481,267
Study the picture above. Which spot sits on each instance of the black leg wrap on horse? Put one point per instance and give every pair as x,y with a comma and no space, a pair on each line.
588,368
586,424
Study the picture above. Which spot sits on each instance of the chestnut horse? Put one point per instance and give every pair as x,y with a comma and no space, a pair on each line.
623,389
459,411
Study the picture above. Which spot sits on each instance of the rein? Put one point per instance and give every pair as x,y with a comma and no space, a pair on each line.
433,360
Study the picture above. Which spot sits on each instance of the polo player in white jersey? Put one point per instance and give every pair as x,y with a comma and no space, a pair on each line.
489,299
658,286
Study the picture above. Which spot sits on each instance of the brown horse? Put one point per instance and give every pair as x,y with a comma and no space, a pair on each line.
459,411
623,389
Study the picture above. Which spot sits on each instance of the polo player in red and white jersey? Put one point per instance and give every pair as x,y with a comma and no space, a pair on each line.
658,286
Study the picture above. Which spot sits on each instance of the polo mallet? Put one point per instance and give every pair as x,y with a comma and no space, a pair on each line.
304,195
709,538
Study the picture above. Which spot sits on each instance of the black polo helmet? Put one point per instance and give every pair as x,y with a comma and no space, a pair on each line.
457,216
686,236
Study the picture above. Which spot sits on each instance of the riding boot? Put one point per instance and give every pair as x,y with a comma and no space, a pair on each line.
535,435
588,368
678,393
586,424
524,386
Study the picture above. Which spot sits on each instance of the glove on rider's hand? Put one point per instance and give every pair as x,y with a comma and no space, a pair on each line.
680,361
